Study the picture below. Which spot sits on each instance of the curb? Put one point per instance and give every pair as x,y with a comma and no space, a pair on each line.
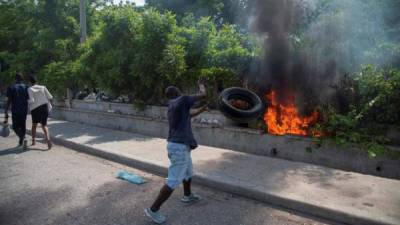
200,179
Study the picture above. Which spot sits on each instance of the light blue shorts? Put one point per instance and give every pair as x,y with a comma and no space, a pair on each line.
181,167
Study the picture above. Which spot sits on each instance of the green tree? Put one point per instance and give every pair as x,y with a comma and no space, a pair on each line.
135,53
38,34
222,11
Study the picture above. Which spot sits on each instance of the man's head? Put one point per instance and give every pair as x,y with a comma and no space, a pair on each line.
18,77
172,92
32,79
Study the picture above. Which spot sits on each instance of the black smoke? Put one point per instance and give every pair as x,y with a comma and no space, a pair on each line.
307,52
282,69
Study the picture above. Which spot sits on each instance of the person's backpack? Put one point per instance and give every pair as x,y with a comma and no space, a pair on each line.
5,130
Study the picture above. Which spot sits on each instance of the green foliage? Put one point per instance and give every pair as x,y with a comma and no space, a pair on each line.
40,37
130,51
110,50
348,128
379,95
220,11
360,32
172,64
376,107
16,32
59,75
139,53
216,55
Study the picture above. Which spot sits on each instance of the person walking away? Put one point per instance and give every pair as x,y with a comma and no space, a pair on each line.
180,143
17,98
39,104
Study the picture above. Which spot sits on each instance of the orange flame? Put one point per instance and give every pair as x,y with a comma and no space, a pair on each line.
285,119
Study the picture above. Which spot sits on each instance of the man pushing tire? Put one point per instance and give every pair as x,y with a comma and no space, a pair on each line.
180,144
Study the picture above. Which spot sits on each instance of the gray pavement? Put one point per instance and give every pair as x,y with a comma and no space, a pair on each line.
329,193
62,186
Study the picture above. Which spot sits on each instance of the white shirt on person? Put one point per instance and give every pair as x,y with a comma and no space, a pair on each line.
38,95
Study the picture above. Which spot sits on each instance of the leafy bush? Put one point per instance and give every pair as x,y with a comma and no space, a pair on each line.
376,107
379,91
39,37
139,53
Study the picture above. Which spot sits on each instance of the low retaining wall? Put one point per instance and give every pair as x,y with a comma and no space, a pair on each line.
157,112
244,140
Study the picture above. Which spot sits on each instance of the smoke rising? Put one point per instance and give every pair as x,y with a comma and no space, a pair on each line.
308,45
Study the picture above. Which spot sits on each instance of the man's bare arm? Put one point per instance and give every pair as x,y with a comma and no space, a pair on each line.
202,93
198,111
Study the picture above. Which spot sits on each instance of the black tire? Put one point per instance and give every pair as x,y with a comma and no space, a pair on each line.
240,115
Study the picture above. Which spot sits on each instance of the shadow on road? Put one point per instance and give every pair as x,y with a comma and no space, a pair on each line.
264,173
10,151
34,206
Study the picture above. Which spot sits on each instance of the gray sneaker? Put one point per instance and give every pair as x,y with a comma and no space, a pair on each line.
156,217
191,198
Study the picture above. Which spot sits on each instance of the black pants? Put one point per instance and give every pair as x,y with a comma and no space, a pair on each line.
19,125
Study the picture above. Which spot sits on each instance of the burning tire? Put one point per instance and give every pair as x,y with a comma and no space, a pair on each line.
240,105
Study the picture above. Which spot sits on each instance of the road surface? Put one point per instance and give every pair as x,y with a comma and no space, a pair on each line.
65,187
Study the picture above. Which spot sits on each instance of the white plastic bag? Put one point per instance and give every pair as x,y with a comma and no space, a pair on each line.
49,107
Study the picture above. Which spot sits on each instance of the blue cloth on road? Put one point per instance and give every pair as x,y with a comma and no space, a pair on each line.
130,177
181,166
179,119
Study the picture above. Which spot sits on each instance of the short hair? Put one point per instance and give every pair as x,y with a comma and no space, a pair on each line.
172,92
32,79
18,77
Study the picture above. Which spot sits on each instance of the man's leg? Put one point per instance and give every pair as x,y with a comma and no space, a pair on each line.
188,196
153,212
187,187
47,135
176,173
34,126
23,127
187,182
16,120
46,132
163,196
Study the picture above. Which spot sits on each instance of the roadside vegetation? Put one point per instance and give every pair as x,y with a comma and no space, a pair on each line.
137,51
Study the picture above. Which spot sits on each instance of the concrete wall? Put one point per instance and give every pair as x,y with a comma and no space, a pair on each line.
157,112
244,140
152,122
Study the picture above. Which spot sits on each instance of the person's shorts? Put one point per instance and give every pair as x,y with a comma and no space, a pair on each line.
181,166
40,114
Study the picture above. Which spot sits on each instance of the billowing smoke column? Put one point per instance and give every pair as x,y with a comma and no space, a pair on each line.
283,69
308,61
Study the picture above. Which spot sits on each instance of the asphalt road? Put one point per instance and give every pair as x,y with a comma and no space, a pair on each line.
62,186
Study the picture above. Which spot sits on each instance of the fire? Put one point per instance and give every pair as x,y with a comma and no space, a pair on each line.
285,119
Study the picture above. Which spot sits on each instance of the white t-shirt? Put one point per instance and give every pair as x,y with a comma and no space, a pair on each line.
38,95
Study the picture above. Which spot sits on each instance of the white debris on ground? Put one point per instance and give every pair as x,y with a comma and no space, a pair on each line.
213,122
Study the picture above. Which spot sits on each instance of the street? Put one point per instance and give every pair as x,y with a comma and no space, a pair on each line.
62,186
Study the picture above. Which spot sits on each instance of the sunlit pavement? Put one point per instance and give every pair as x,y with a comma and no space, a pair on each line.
337,195
62,186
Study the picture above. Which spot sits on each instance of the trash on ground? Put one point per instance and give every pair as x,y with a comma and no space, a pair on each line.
130,177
